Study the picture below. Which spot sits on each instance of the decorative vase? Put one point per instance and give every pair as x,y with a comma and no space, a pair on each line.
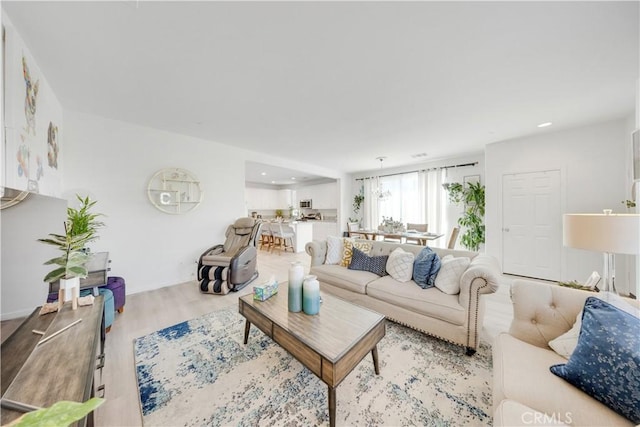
311,295
69,291
296,275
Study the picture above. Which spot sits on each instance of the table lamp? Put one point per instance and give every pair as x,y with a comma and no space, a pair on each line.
607,232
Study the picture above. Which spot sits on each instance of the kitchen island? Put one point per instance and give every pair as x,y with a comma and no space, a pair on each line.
303,233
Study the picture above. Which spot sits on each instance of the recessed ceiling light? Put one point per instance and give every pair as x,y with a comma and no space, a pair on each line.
293,178
545,124
263,173
273,182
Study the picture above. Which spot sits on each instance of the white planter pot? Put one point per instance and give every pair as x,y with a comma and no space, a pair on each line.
71,289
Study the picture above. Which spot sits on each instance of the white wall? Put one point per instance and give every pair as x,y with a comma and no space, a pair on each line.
21,285
591,161
113,161
29,157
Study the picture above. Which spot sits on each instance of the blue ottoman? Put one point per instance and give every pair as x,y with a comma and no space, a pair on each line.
109,310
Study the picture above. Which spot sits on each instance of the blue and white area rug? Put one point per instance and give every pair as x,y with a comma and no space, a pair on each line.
200,373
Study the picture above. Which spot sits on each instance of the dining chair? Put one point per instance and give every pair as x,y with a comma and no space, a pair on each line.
283,237
422,228
390,237
453,238
352,230
266,237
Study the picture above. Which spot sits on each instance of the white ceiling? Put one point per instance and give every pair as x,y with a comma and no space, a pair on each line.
276,176
338,84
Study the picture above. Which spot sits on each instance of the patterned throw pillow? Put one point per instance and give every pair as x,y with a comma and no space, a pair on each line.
606,361
425,268
334,250
364,262
400,265
448,279
566,343
347,250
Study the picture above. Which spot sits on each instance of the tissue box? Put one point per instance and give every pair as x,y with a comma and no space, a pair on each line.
265,291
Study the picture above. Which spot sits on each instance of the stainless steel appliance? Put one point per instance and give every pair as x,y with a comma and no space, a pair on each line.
306,204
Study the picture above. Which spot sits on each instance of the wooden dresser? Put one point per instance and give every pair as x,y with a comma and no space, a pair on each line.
62,368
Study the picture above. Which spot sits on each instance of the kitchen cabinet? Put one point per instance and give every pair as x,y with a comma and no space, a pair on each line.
324,196
284,199
267,199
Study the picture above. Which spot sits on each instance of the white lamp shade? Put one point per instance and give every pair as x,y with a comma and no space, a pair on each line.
613,233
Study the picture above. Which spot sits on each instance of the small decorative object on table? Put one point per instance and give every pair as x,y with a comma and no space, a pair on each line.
266,290
296,275
311,295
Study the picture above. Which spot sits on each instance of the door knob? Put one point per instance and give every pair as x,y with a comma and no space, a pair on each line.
506,229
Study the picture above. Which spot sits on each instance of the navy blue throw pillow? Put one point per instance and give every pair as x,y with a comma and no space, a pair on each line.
425,268
364,262
606,361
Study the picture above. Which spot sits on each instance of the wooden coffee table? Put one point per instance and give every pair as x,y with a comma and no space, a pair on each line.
330,344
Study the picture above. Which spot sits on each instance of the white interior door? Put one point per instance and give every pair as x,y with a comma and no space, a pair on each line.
532,224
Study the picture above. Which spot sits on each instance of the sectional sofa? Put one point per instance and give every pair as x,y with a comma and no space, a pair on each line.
454,317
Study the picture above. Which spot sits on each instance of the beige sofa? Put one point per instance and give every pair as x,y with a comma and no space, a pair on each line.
455,318
525,392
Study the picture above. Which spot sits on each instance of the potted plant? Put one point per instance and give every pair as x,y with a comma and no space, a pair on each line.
472,219
358,199
79,229
84,222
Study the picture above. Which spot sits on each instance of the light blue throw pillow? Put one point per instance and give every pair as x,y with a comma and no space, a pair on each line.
606,361
425,268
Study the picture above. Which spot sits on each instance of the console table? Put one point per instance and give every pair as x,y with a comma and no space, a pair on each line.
61,368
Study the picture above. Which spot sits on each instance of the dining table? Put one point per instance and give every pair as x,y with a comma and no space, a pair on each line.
422,238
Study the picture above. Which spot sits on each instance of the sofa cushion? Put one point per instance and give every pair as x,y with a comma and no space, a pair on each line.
425,268
521,373
430,302
334,250
566,343
515,414
606,361
448,279
400,265
364,262
347,250
351,280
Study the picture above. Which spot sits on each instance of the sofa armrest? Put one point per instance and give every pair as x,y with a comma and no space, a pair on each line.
317,249
485,268
481,277
243,265
542,312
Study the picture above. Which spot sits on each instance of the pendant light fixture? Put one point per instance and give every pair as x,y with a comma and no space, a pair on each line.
379,192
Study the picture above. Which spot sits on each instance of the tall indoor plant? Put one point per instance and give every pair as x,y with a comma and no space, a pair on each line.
83,221
80,228
472,219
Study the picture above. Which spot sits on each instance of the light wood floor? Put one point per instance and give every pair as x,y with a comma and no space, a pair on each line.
150,311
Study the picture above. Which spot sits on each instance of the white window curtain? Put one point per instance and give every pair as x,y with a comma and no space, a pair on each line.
370,219
416,197
434,200
405,203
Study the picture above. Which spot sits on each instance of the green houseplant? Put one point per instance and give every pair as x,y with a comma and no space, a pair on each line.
82,221
358,199
80,228
472,219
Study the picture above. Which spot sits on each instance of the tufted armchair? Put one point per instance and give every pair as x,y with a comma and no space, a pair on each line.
525,392
232,265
